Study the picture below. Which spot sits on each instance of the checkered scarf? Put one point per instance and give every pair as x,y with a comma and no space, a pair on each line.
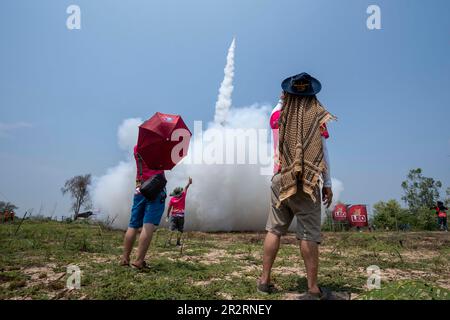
300,144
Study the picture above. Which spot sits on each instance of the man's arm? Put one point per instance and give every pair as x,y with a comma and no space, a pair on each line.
188,184
327,193
326,175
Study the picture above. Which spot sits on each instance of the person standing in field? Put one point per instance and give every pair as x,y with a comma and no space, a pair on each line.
145,214
176,210
441,212
301,162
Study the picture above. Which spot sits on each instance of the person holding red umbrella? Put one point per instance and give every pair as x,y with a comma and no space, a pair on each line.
163,141
145,214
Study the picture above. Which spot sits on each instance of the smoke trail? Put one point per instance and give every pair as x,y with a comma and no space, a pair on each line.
224,101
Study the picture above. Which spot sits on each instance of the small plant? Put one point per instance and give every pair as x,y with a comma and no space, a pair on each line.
68,220
16,284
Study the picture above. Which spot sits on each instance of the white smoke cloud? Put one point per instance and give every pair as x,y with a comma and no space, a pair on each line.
224,101
128,133
112,193
223,197
337,188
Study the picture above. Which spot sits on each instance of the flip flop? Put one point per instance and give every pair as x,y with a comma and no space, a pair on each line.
265,288
144,266
325,294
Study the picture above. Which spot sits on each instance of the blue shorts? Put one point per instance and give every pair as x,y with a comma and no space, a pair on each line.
146,211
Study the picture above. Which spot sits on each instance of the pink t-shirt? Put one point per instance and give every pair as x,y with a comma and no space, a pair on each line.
178,204
146,172
274,117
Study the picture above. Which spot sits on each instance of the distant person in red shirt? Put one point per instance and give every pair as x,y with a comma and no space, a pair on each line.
176,210
441,212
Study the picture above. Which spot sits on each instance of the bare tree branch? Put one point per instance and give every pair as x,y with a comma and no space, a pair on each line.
77,187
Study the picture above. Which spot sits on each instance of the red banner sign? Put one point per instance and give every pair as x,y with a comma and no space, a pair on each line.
357,215
340,212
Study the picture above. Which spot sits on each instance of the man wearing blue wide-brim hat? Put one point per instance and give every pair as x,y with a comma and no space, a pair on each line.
301,168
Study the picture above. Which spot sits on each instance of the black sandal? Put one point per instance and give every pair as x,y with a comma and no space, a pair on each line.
265,288
144,266
324,294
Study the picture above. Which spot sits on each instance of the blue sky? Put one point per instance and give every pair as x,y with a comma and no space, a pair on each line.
63,93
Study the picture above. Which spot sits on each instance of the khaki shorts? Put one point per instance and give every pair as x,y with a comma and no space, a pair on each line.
301,206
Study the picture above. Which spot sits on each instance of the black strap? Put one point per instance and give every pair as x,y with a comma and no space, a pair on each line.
139,164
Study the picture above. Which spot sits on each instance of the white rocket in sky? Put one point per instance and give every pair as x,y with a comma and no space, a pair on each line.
224,101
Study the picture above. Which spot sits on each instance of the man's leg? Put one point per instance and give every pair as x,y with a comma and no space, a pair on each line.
308,215
271,246
310,254
128,242
171,230
278,222
144,242
180,227
137,213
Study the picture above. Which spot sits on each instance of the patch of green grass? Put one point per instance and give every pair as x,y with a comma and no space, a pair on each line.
17,284
14,275
407,290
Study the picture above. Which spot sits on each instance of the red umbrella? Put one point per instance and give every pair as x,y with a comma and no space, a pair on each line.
163,141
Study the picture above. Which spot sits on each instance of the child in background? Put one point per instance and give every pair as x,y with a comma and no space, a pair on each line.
441,212
175,211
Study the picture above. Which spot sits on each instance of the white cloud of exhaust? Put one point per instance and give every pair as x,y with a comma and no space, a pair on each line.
223,197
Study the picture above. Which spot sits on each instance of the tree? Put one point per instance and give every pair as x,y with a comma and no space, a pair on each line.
7,206
78,189
447,199
419,191
426,219
390,215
